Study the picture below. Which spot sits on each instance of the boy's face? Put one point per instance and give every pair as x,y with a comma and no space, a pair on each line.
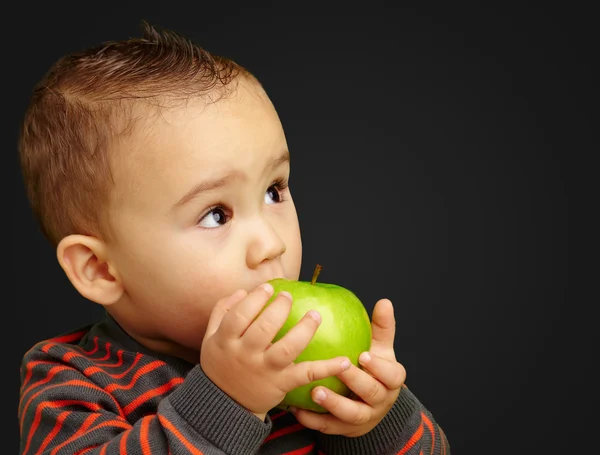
200,210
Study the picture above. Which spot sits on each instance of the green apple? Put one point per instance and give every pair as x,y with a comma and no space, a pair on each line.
345,330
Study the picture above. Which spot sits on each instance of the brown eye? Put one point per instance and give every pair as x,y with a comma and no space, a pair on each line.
272,195
215,218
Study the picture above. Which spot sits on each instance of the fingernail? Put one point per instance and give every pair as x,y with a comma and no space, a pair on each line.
320,395
286,294
293,409
268,288
364,357
345,364
315,315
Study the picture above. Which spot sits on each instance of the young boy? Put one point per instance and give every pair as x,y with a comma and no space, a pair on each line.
159,172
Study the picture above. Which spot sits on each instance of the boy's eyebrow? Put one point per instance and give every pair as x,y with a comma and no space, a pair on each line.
220,182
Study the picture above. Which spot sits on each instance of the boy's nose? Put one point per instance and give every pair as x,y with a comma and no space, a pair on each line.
264,244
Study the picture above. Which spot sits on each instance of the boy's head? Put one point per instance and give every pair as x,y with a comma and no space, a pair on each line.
160,174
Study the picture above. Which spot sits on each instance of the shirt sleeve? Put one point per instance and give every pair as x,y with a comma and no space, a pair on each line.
62,410
407,429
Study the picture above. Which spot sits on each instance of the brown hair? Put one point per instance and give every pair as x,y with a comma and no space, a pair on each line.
74,112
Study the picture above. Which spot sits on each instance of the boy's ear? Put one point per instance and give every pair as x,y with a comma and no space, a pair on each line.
84,260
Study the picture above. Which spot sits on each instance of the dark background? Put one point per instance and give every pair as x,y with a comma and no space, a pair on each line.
429,165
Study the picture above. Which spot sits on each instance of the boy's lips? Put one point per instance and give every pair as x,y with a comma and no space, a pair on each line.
273,277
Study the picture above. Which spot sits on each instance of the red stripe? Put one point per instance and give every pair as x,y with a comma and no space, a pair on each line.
47,347
118,363
302,451
57,426
138,374
123,444
279,414
94,349
151,394
107,356
429,426
110,423
443,438
73,354
92,406
88,372
416,437
30,367
82,430
144,430
86,354
84,451
68,338
51,373
50,404
168,425
284,431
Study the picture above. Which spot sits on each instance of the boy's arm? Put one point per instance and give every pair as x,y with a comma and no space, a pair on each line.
407,429
63,408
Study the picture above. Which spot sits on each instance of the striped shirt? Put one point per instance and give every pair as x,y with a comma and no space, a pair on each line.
96,391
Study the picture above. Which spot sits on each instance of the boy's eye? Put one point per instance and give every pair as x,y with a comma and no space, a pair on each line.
272,195
215,218
217,215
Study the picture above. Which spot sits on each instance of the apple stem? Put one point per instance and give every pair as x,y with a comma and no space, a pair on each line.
316,274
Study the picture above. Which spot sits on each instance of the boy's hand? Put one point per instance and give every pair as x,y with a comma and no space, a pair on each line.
378,387
239,357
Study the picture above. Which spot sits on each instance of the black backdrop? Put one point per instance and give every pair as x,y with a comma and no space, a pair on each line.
429,166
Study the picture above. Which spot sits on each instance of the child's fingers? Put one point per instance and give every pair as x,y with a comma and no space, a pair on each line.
364,386
306,372
285,350
220,310
241,315
383,324
342,412
389,372
261,332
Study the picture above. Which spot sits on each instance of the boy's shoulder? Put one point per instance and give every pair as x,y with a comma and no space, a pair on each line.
86,340
73,337
99,347
59,346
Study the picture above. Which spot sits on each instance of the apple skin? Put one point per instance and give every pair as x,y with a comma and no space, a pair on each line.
345,330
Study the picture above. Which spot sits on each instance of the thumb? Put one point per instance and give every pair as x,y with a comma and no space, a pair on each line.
220,310
383,324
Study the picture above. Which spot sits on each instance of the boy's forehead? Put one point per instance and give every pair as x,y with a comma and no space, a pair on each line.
170,147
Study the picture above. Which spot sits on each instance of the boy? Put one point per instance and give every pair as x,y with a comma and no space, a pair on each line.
159,172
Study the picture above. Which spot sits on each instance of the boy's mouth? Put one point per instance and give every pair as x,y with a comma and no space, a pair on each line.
272,277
